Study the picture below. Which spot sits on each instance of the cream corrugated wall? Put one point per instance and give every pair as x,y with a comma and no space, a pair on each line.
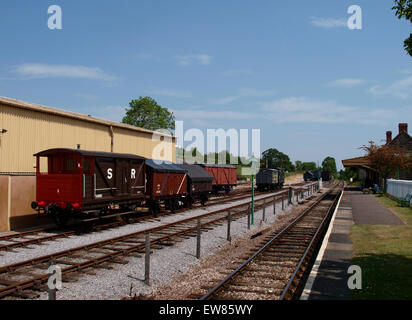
29,132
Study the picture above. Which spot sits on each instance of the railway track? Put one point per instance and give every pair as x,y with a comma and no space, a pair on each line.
276,268
23,279
41,235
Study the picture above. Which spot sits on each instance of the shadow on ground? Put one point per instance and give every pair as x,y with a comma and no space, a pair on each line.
384,276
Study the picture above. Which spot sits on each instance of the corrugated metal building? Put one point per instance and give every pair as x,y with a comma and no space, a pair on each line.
32,128
27,128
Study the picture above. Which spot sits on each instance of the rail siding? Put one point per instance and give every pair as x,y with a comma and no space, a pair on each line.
399,188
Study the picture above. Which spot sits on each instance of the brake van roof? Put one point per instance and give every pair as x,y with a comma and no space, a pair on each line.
196,173
164,166
89,153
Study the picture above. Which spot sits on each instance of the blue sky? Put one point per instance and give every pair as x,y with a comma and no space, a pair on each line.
292,69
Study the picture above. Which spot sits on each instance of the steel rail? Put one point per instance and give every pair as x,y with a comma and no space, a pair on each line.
26,242
287,292
231,276
14,288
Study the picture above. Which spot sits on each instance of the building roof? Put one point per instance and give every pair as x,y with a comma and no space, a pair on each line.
356,162
67,114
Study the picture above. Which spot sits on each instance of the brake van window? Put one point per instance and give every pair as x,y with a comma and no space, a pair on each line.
70,165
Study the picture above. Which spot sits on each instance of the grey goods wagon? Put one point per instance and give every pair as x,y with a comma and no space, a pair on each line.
270,179
199,184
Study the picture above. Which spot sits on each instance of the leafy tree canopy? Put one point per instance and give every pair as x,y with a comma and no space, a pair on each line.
305,166
329,164
274,158
404,10
146,113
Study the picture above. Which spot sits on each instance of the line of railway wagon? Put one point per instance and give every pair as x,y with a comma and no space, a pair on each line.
80,183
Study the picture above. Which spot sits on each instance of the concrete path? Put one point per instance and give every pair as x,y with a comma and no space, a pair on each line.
334,259
367,210
328,279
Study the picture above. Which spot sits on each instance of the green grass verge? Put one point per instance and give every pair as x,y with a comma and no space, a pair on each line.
384,254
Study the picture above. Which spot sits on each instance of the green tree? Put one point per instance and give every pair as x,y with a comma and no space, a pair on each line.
298,165
347,174
274,158
146,113
329,164
404,10
308,166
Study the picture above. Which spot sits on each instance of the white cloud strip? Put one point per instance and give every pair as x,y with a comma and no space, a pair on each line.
38,70
245,92
401,89
304,110
170,93
186,60
328,23
346,82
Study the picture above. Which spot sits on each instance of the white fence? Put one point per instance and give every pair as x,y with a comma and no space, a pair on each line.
399,188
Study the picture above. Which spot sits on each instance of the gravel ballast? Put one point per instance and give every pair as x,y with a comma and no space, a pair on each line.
167,264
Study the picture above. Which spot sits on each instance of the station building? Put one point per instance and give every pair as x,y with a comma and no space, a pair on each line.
367,174
27,128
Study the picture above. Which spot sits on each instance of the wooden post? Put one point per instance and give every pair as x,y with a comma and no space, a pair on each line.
52,292
274,205
147,261
229,238
199,231
283,203
264,210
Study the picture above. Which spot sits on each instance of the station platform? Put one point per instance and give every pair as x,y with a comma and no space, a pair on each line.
329,276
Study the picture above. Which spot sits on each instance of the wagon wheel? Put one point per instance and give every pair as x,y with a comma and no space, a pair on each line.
125,218
189,202
60,217
227,189
172,205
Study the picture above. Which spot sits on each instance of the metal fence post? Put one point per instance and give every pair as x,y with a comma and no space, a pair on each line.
147,261
229,238
283,203
248,217
199,231
290,195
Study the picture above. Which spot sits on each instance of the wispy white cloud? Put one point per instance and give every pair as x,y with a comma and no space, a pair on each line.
250,92
38,70
244,92
328,22
87,97
211,114
401,89
170,93
305,110
225,100
186,60
346,82
237,72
